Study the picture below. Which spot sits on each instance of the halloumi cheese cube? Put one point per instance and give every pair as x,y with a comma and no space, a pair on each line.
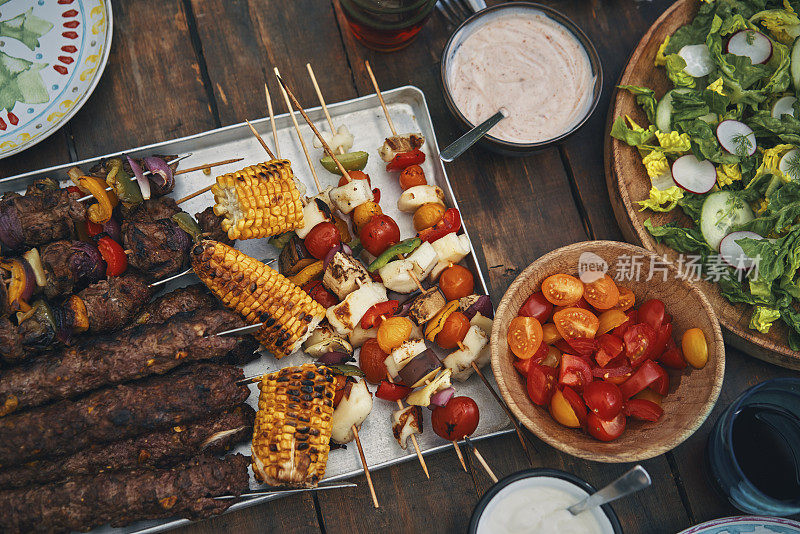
345,316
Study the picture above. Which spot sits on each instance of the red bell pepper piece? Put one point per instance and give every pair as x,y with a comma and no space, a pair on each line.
451,222
317,291
392,392
114,256
93,228
405,159
373,316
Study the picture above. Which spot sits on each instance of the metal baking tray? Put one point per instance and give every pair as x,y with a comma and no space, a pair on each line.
365,119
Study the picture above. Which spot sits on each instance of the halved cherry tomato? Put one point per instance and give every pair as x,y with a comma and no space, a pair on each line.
372,360
650,374
537,306
524,336
562,289
606,430
652,312
580,304
640,339
563,346
405,159
523,366
585,346
575,371
602,294
451,222
576,402
114,256
541,383
615,372
317,291
411,176
644,410
562,410
621,329
355,175
550,333
392,392
626,299
453,331
322,238
663,339
456,282
576,322
649,395
455,420
383,309
672,357
610,319
603,398
609,347
695,347
378,234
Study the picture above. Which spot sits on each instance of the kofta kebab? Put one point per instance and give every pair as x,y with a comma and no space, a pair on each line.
86,269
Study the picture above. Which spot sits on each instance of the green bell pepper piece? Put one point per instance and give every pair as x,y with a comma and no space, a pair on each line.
402,248
127,190
187,223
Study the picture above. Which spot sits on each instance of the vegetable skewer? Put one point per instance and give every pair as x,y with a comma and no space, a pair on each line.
322,102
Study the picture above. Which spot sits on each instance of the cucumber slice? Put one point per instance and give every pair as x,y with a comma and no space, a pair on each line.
351,161
664,110
795,64
722,212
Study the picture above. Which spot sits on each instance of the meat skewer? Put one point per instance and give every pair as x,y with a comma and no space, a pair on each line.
286,492
129,355
162,448
120,412
120,498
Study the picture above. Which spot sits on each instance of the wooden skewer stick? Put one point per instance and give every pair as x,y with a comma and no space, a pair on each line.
145,173
297,128
272,120
380,97
413,437
479,456
207,166
460,456
199,192
260,140
322,102
366,469
325,145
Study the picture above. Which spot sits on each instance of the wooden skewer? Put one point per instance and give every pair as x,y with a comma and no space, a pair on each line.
479,456
287,92
260,140
272,120
145,173
413,437
297,128
460,456
195,194
366,469
380,97
207,166
322,102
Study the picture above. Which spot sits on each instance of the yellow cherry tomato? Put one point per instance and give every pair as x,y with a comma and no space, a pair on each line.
695,347
364,212
428,215
393,332
562,411
609,320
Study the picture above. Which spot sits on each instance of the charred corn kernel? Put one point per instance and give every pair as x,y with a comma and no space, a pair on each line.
259,294
291,437
258,201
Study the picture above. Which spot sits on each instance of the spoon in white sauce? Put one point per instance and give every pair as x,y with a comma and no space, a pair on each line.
634,480
460,145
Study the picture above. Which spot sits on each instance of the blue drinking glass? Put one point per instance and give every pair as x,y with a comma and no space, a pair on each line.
774,408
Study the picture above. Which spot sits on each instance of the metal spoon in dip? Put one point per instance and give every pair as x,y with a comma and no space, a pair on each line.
460,145
632,481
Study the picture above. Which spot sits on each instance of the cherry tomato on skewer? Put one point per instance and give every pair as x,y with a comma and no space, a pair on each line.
456,420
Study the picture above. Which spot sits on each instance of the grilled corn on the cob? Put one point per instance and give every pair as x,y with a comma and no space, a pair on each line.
258,201
292,433
259,294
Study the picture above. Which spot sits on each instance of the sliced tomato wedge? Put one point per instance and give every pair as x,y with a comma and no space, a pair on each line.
576,402
651,375
524,336
663,338
575,371
626,299
576,322
603,398
562,289
609,347
541,383
606,430
616,371
640,341
633,318
644,410
673,357
585,346
652,312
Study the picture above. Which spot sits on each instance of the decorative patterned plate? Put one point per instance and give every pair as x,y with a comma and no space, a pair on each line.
746,524
52,53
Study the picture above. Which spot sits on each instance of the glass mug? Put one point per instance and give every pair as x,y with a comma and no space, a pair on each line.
386,25
753,451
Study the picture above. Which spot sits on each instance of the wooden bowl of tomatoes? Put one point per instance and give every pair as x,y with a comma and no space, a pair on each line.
605,360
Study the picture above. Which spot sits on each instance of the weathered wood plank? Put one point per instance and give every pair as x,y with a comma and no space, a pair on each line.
51,151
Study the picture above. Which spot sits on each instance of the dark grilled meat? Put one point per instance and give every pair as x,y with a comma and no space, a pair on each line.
55,261
33,220
184,299
120,412
160,449
211,224
5,309
113,302
128,355
150,210
127,496
11,347
158,248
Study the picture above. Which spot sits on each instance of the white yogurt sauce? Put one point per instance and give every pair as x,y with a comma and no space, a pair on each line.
530,65
538,505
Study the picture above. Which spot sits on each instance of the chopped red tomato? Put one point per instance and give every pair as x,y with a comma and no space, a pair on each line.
639,342
672,357
650,374
541,383
576,402
538,307
575,371
643,409
606,430
652,312
663,337
585,346
609,347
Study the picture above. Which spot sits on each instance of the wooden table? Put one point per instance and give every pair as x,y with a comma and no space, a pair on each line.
178,67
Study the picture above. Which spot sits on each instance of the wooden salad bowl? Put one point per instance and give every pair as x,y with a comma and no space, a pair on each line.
692,392
628,182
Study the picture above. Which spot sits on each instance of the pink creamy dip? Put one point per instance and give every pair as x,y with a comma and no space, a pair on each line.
528,64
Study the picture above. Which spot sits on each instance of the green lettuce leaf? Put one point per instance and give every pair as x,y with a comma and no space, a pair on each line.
763,317
633,137
685,240
644,97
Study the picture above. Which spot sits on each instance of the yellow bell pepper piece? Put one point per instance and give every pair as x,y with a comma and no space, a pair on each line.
436,324
308,273
100,211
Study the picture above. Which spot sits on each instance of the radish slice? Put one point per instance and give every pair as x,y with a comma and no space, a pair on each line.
663,181
737,138
698,60
784,106
790,164
731,251
694,175
752,44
